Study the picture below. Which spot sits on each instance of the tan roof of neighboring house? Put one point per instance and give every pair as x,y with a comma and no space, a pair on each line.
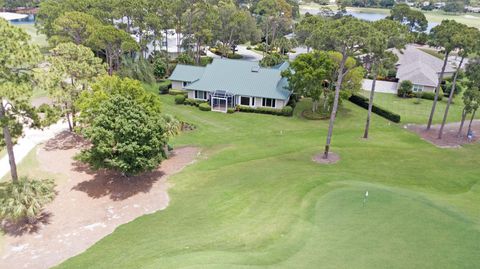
419,67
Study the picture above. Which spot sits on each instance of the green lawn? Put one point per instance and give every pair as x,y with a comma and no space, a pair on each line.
418,113
37,38
254,199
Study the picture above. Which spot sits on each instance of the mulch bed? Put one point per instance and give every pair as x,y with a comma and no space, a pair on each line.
449,138
332,158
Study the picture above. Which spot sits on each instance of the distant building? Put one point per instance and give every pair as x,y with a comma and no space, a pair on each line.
417,66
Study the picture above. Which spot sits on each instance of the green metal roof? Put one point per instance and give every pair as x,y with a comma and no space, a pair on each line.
241,77
188,73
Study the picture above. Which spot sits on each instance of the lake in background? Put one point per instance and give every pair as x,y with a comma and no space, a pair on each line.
368,16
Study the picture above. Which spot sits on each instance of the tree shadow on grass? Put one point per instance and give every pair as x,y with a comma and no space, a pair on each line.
114,184
22,227
64,141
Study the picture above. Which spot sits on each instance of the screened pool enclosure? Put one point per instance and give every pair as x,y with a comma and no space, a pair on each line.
221,101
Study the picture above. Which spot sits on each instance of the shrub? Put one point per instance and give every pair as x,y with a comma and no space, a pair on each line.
179,99
262,110
234,56
25,199
204,107
159,67
428,95
287,111
363,102
184,58
177,92
447,87
193,102
272,59
164,87
405,89
230,110
205,60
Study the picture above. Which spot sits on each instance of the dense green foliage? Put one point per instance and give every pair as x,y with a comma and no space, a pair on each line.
25,199
204,107
125,126
405,89
18,58
73,69
272,59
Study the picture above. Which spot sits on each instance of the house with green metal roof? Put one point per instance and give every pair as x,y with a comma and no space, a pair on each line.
226,83
184,75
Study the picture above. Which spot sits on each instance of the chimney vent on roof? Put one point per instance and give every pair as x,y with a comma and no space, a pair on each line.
255,69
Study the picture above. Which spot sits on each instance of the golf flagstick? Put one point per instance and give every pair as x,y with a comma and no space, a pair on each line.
365,198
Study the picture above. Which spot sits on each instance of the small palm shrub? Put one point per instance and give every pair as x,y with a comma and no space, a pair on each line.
25,199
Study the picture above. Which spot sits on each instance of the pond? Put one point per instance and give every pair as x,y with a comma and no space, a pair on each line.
364,15
28,20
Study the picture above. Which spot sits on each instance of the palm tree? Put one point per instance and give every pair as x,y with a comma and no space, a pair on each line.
25,199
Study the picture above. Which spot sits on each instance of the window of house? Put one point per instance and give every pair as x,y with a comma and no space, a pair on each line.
268,102
245,101
417,88
185,83
201,95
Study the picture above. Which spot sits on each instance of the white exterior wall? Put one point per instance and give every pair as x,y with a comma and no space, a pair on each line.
279,103
380,86
177,85
191,94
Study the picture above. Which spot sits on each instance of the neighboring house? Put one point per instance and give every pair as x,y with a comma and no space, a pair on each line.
226,83
421,68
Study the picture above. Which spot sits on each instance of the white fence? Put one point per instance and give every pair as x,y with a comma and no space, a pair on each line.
380,86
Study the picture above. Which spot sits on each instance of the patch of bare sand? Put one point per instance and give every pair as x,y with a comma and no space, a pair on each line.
449,138
89,206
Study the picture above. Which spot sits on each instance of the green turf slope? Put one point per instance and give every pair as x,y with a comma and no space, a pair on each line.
254,199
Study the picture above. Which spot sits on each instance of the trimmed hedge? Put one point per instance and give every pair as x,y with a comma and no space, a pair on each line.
230,110
363,102
193,102
204,107
286,111
428,95
177,92
179,99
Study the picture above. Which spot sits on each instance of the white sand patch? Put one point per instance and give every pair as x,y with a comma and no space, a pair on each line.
91,227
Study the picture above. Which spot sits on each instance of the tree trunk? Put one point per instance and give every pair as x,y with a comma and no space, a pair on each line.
464,116
370,103
450,98
266,40
74,119
315,106
471,121
437,91
335,103
8,143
